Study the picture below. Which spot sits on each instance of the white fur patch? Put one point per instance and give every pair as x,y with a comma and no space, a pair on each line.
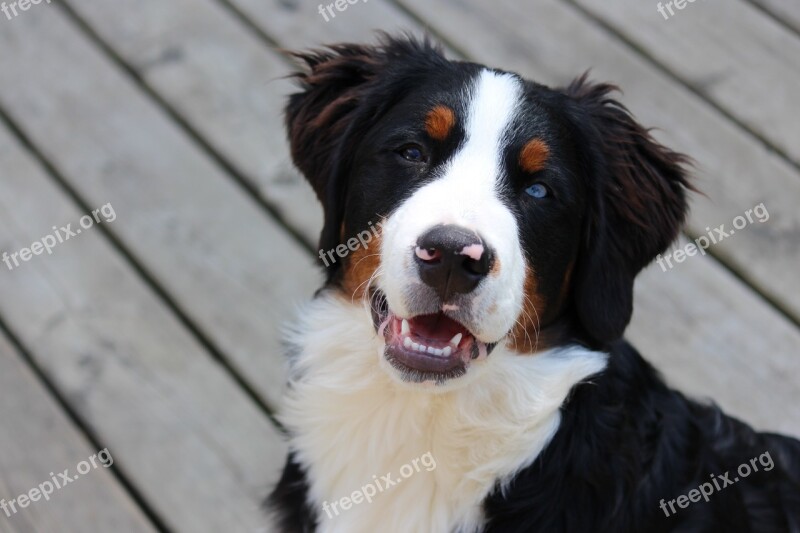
350,423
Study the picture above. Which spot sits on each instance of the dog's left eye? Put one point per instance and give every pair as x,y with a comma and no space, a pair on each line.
413,153
537,190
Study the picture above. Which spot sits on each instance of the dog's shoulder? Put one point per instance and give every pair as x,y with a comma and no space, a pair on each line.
627,441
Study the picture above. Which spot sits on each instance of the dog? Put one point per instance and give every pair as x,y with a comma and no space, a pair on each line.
479,329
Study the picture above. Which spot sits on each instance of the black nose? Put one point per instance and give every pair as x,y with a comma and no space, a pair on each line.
452,260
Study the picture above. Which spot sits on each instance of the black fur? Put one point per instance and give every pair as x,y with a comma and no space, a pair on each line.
638,209
289,501
626,442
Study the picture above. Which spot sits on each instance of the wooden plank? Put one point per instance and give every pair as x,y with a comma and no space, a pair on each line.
741,314
733,54
183,50
194,445
786,11
714,339
734,171
38,439
222,81
300,25
231,269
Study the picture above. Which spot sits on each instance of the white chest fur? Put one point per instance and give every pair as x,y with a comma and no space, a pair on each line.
352,424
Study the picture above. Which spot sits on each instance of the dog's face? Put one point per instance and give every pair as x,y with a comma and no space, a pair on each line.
483,207
508,213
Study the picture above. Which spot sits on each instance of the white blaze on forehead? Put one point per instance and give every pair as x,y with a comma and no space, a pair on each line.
495,99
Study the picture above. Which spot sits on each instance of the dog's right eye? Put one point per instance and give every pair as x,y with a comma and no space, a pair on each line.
538,190
413,153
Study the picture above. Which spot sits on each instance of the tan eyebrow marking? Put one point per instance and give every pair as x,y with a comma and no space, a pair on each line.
534,155
439,122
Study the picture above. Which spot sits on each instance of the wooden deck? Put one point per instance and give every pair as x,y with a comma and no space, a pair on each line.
156,335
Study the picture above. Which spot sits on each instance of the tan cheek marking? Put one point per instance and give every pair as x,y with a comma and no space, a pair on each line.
360,266
440,122
523,338
534,155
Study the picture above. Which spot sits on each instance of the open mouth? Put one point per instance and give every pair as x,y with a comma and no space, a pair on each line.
426,348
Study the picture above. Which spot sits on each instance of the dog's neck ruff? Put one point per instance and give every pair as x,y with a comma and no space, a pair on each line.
351,424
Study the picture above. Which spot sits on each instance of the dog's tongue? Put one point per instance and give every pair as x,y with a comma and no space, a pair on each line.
437,327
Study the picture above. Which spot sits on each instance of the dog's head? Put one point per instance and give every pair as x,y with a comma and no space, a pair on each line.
470,207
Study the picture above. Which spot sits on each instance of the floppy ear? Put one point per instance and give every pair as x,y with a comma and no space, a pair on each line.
320,117
637,207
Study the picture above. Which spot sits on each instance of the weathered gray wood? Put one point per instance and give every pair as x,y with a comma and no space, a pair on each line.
735,172
218,255
183,50
197,448
730,52
37,439
714,339
297,24
787,11
222,80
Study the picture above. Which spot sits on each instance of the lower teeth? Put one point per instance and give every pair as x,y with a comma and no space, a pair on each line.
421,348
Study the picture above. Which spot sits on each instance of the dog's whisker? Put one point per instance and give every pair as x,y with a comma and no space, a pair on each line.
369,305
367,281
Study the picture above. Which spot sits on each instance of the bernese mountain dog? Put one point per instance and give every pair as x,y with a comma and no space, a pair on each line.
482,233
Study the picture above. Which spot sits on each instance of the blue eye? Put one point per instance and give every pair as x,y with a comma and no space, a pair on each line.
537,190
412,153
